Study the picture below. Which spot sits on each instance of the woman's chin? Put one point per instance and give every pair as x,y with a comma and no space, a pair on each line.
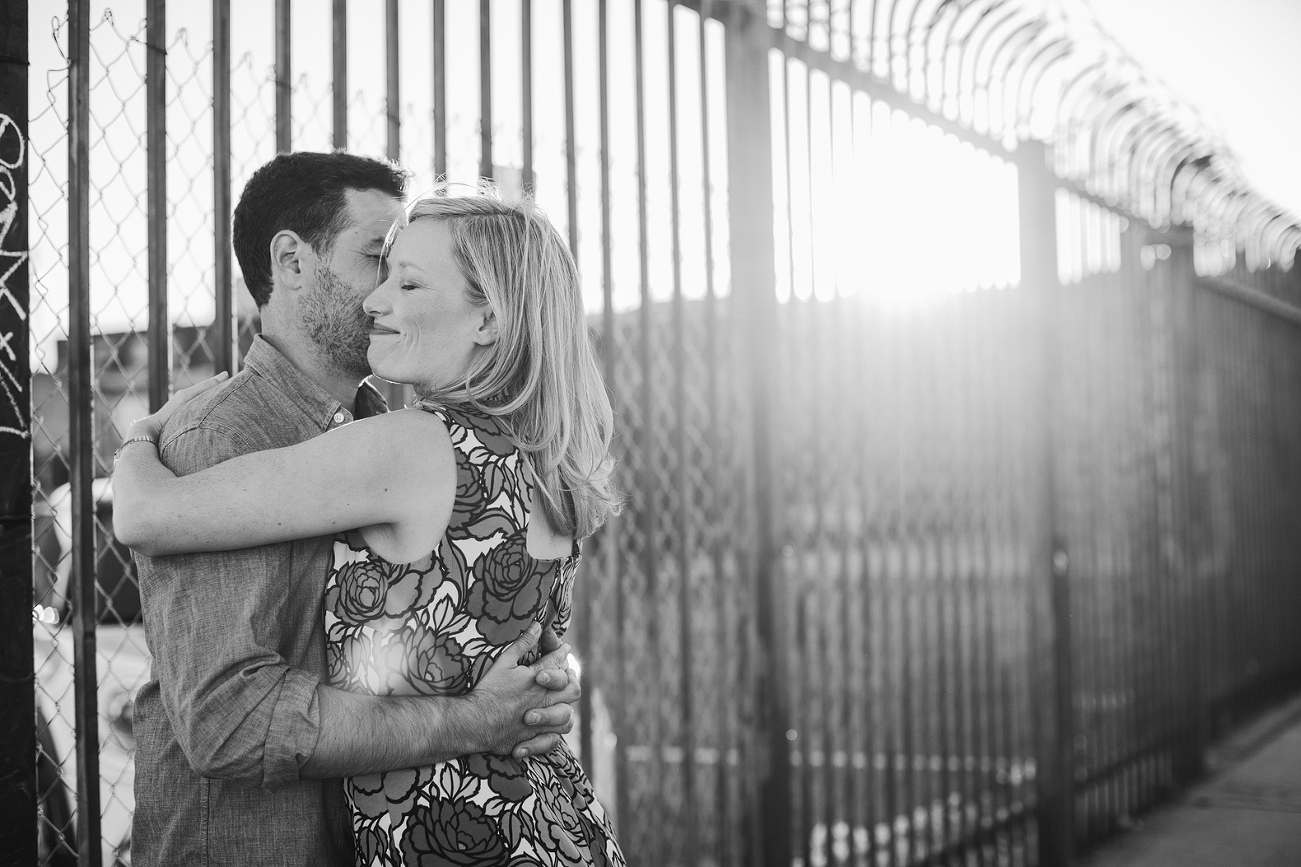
389,373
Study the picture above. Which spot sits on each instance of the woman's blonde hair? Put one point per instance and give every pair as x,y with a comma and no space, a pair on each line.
540,377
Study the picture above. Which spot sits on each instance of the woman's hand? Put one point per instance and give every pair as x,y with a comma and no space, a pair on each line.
524,709
151,426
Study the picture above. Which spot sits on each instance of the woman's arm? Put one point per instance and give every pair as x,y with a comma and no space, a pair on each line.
392,469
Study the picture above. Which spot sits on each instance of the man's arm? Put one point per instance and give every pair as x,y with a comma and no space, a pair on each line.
359,734
239,711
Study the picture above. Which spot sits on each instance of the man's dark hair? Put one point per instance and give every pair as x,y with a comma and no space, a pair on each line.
305,193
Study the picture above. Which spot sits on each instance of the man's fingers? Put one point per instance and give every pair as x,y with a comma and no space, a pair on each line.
552,679
520,647
550,641
557,659
552,717
537,745
568,694
555,678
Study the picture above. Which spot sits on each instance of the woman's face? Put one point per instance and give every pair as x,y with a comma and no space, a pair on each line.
424,329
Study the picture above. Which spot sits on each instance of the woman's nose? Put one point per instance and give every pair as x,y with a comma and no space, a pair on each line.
373,304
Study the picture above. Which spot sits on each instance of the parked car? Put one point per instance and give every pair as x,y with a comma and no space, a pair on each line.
122,667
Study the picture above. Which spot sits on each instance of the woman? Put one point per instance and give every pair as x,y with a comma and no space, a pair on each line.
459,519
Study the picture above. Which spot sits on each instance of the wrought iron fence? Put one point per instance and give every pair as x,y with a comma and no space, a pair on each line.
960,463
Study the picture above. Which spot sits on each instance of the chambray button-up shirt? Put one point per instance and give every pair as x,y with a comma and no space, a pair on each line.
229,714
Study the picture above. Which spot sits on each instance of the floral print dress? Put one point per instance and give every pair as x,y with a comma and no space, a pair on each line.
434,627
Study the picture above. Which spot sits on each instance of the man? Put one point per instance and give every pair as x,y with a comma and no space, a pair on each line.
240,742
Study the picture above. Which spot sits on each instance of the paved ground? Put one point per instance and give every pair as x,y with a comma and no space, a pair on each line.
1247,814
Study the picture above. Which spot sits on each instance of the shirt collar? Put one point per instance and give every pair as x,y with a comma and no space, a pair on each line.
301,391
369,401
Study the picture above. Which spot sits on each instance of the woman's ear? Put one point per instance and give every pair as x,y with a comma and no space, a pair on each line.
287,259
486,333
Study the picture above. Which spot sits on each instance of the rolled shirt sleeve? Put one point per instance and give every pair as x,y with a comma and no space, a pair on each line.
218,631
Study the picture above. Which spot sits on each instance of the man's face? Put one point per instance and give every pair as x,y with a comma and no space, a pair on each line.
346,273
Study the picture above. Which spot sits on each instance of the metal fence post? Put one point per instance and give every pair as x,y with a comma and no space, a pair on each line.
392,82
284,78
339,75
17,694
1174,335
396,393
81,392
753,278
160,330
225,326
1051,676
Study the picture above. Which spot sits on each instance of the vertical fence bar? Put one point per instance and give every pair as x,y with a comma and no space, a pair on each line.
160,332
750,216
818,749
1195,533
647,482
583,612
395,392
526,99
485,89
339,72
571,145
682,524
1165,547
81,396
440,90
1184,370
18,785
224,327
608,355
904,532
1049,604
717,359
284,78
392,82
797,816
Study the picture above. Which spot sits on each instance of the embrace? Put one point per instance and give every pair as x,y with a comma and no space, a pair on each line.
354,614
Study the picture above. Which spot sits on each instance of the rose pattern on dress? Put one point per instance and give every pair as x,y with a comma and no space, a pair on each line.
505,775
434,627
360,592
452,834
429,662
511,590
471,497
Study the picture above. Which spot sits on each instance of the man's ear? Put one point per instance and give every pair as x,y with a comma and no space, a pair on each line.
486,333
288,259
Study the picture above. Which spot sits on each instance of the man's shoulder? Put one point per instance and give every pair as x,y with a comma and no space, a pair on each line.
227,405
235,417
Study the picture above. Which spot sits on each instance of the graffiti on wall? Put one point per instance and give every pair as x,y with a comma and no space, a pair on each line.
13,312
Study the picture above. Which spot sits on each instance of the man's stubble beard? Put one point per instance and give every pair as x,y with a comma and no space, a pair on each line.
333,319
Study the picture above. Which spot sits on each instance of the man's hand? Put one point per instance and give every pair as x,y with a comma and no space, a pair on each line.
524,709
554,677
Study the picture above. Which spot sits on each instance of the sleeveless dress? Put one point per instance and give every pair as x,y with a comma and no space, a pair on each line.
434,627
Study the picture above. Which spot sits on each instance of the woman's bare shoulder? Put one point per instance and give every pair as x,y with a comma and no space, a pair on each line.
412,437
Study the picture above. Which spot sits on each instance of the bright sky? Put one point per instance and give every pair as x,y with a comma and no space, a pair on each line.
1239,63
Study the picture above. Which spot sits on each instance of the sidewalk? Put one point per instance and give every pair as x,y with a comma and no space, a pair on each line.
1248,814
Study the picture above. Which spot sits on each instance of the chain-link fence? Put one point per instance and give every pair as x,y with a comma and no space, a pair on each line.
956,466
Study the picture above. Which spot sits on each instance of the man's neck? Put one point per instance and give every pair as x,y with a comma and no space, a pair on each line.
340,385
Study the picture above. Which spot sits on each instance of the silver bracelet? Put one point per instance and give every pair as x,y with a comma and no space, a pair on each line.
117,454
